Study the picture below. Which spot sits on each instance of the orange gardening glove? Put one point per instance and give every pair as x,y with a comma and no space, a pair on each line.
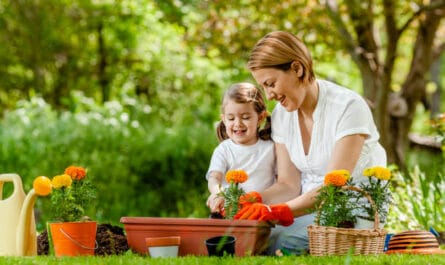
249,198
280,213
283,214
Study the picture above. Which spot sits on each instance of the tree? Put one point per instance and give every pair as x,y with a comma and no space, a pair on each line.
376,57
376,35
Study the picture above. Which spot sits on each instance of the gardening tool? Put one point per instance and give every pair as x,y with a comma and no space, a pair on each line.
17,224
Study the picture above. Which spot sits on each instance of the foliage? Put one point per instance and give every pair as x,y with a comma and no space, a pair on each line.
333,203
377,187
115,51
419,201
71,194
130,153
233,192
339,201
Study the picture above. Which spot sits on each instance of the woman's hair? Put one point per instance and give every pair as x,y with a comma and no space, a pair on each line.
278,50
245,93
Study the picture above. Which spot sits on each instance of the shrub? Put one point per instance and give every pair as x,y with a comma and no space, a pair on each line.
140,167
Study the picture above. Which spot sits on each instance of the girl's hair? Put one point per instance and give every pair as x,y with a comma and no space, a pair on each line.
278,50
245,93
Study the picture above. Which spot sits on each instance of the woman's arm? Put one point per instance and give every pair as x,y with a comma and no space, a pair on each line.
345,156
288,184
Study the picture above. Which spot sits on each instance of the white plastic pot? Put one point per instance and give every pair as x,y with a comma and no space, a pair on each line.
162,247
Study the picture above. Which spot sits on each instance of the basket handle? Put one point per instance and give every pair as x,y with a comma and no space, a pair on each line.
367,196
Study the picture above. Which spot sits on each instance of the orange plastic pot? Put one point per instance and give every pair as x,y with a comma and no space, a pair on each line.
73,238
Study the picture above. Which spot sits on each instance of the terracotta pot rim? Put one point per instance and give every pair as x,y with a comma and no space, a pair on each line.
163,241
193,221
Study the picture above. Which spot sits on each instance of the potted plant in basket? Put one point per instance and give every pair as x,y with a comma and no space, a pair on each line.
333,203
71,193
336,208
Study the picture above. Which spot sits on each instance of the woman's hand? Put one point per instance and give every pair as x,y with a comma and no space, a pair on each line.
278,213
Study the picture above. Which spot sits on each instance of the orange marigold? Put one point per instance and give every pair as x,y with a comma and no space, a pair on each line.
337,178
236,176
76,173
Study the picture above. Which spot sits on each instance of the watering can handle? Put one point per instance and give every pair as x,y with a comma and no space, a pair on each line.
10,177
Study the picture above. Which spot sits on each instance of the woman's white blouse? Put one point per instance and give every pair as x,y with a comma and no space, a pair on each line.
339,112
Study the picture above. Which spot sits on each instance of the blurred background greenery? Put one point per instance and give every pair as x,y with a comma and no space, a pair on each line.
131,90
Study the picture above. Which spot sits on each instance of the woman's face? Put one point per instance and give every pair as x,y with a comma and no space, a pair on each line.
282,86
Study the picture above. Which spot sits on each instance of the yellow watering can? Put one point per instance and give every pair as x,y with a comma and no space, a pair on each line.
17,224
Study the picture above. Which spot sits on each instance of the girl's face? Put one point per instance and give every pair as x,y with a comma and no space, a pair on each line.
282,86
241,121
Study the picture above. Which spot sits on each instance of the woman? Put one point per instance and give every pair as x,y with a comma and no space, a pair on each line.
317,126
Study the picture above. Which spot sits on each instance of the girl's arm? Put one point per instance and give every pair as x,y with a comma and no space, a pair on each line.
215,202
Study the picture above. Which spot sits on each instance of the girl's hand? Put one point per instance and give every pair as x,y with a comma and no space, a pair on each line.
215,203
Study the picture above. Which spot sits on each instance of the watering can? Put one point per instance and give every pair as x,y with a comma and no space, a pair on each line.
17,224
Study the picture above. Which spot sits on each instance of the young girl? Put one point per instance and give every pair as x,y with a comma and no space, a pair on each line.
244,144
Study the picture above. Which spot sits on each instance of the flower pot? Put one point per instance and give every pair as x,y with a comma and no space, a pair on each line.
162,247
73,238
362,223
251,235
221,246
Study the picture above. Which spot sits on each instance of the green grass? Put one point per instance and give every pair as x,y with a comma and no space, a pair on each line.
300,260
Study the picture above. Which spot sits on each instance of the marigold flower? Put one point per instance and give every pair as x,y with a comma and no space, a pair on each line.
337,178
236,176
76,173
42,185
379,172
60,181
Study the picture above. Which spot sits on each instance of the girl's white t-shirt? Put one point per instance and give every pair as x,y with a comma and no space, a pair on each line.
339,112
258,160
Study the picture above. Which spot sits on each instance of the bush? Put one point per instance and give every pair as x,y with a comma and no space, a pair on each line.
140,166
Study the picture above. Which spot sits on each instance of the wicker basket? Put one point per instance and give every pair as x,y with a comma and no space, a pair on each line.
327,240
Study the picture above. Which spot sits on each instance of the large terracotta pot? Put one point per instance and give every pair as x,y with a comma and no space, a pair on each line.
251,236
73,238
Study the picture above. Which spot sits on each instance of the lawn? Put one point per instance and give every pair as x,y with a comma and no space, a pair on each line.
130,258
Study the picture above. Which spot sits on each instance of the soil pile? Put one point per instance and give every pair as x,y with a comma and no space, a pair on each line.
111,240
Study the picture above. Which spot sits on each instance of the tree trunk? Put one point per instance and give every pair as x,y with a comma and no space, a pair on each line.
436,79
413,89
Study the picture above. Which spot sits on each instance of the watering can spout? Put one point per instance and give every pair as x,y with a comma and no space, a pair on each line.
18,229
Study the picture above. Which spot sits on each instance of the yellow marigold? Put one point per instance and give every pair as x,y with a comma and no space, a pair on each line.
236,176
60,181
379,172
337,178
42,185
76,173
